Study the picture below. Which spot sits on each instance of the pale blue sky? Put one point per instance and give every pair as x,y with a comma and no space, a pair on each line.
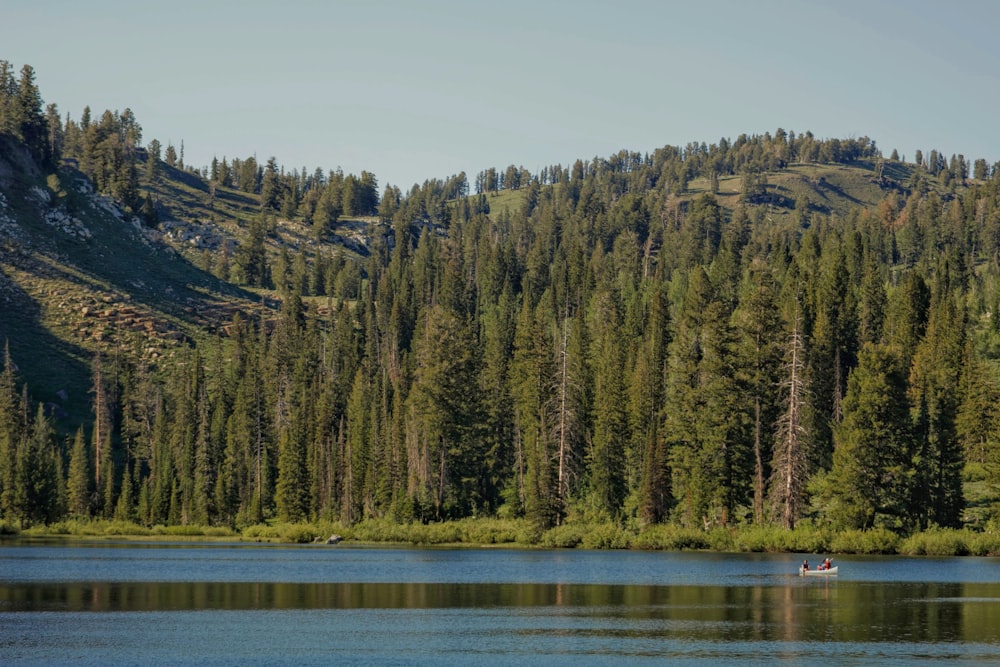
411,90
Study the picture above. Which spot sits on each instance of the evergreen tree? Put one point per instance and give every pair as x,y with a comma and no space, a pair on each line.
871,481
251,263
27,120
38,497
153,158
935,383
444,405
647,391
292,487
977,422
498,323
607,456
707,455
13,431
532,375
78,485
759,330
833,349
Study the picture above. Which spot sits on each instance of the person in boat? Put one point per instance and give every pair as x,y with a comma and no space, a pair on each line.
826,565
805,565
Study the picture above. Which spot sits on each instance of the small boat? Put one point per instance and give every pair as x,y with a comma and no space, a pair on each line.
817,573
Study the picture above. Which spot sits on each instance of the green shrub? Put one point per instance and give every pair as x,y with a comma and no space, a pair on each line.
261,531
606,536
775,539
298,533
721,539
68,527
984,544
448,532
567,536
380,530
219,531
875,541
671,538
180,531
759,539
125,528
495,531
937,542
90,528
8,528
809,539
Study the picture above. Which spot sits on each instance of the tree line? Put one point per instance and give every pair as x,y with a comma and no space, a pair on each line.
608,350
628,364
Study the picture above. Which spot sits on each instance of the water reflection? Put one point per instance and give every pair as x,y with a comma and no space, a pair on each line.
856,612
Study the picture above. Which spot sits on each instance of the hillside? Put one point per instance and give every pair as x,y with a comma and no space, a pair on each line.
609,341
79,276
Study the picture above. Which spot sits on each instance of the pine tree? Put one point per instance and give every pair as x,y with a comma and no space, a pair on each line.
646,391
607,456
532,374
833,349
444,403
29,122
125,510
977,422
759,329
204,463
353,455
292,486
13,430
38,478
78,485
935,382
498,325
704,424
871,481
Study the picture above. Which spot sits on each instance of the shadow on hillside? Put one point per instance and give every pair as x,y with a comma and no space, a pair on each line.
54,369
840,192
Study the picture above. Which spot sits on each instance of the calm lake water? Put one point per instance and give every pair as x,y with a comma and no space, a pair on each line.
102,603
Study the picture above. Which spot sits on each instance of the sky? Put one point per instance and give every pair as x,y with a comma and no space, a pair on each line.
411,91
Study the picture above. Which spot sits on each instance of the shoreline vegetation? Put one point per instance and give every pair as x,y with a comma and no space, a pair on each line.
521,534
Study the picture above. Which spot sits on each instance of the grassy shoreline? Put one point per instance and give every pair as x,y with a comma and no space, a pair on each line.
520,534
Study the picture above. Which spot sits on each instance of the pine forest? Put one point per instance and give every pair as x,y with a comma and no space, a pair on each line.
774,330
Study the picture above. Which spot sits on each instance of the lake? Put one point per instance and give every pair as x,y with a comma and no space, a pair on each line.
124,603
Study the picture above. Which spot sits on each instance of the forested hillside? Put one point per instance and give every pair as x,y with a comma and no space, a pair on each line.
775,329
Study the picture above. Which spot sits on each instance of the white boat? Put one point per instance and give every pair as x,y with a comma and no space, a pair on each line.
817,573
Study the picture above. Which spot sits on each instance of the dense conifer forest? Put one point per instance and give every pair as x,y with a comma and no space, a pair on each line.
703,336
